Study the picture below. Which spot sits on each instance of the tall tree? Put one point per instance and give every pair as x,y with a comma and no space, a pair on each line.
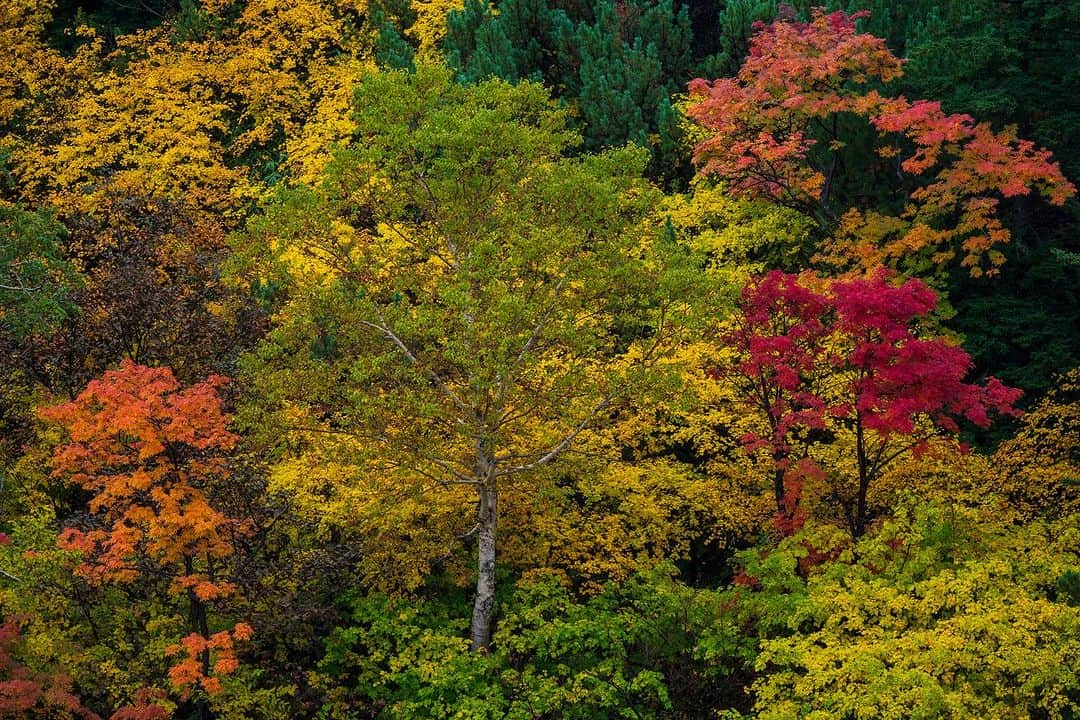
462,302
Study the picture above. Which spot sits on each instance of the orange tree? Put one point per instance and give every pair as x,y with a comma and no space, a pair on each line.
148,452
785,128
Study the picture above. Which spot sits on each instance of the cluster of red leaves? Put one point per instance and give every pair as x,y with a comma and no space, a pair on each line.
194,650
147,706
144,447
800,77
778,335
894,376
849,352
28,694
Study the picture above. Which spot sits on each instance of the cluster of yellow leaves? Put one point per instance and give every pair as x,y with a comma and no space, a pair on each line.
604,524
310,148
739,236
592,521
944,617
197,120
1038,470
429,28
38,85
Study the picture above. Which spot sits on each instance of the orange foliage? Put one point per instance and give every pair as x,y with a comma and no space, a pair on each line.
145,448
194,668
798,80
148,449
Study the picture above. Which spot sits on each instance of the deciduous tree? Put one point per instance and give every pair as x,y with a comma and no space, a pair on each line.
780,127
849,355
149,452
463,303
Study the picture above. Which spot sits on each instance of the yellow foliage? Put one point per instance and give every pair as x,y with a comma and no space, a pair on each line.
1038,470
311,146
429,28
188,119
740,237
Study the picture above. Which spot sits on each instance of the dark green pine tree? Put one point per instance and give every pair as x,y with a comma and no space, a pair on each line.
391,49
615,64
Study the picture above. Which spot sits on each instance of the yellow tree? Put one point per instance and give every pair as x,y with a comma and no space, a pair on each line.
463,302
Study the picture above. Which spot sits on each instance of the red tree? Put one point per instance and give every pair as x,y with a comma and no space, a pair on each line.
849,354
148,451
779,128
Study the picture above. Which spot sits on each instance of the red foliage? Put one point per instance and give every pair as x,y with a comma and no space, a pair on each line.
28,694
742,579
816,556
146,707
849,354
801,77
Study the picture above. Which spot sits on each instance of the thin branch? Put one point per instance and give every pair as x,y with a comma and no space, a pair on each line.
561,446
434,376
20,288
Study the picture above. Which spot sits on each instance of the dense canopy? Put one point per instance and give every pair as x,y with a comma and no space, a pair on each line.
484,359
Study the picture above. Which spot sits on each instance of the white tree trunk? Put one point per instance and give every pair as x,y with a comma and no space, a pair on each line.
484,605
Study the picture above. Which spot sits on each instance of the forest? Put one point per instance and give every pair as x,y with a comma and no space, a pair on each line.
539,359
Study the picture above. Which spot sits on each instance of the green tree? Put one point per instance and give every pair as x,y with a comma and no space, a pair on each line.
460,301
617,64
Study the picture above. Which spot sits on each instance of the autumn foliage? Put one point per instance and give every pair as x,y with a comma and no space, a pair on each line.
554,392
777,130
850,354
149,451
25,693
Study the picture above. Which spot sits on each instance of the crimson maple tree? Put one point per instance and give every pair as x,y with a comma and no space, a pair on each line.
849,353
778,130
148,450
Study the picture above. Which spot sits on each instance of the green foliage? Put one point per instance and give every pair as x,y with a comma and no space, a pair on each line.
640,649
36,281
391,50
736,23
615,64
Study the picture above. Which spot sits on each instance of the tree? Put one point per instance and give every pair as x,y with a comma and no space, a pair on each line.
149,451
777,336
1038,468
462,303
36,282
617,63
783,129
27,694
851,356
150,291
